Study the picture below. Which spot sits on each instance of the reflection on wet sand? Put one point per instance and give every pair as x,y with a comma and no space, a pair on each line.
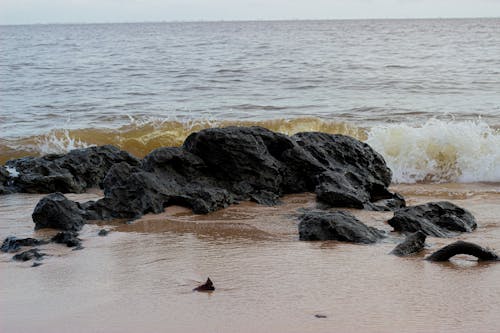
140,277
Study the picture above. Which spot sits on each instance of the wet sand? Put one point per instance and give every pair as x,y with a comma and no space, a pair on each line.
140,277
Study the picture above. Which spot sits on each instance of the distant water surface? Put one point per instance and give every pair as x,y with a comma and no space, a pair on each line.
141,86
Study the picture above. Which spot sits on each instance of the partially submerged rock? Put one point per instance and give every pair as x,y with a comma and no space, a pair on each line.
13,244
413,244
28,255
436,219
72,172
56,211
461,247
70,238
341,226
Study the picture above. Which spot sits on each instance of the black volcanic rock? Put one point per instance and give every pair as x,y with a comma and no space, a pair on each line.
436,219
220,166
4,176
56,211
413,244
13,244
72,172
461,247
28,255
341,226
70,238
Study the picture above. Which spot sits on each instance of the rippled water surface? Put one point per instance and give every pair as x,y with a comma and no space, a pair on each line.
365,71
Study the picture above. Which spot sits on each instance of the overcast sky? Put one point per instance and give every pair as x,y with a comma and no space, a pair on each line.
63,11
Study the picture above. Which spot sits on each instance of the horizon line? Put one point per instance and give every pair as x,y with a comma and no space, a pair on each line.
253,20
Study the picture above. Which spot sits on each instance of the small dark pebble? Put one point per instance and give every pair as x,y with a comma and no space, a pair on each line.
28,255
36,264
207,286
319,316
103,232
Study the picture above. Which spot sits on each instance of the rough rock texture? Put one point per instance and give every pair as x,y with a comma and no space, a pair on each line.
56,211
413,244
70,238
220,166
4,176
436,219
13,244
461,247
28,255
341,226
72,172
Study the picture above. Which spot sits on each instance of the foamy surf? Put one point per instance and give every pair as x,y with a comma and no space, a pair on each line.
141,135
439,151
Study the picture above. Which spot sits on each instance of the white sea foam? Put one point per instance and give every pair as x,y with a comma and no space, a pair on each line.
57,142
439,151
13,173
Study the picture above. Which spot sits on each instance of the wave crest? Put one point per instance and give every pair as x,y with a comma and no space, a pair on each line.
439,151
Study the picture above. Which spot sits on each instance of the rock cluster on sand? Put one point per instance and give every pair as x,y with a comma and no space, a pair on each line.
217,167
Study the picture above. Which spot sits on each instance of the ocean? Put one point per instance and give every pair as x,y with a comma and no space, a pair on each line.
423,93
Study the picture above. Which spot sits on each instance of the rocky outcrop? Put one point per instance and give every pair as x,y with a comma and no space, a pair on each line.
56,211
436,219
340,226
73,172
414,243
220,166
461,247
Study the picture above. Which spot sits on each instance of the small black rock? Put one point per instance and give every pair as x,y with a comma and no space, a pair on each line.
207,286
28,255
103,232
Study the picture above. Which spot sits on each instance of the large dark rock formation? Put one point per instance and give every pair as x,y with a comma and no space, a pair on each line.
56,211
220,166
436,219
341,226
413,244
461,247
72,172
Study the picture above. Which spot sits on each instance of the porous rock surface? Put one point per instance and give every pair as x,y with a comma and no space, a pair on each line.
73,172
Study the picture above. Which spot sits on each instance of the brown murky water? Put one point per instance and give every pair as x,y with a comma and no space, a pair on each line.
140,277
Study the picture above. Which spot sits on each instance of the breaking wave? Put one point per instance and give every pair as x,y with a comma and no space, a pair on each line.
439,151
141,136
